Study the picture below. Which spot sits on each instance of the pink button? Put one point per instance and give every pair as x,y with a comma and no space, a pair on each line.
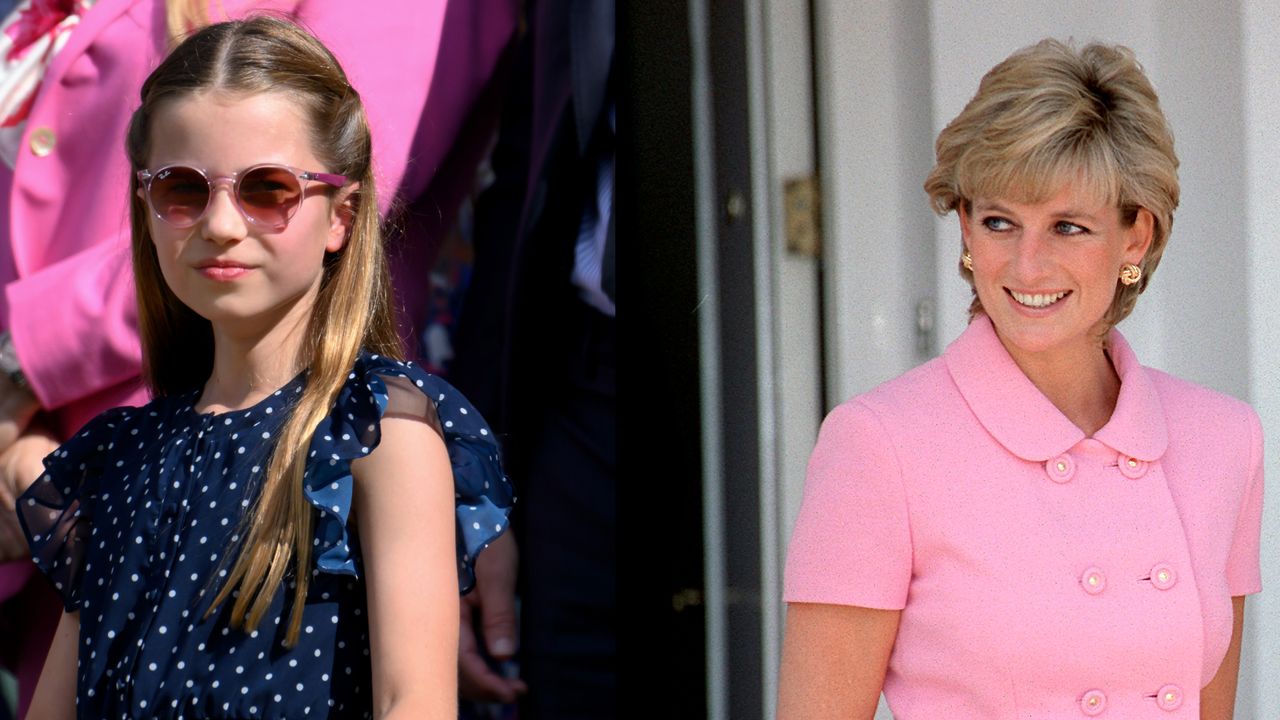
1169,697
1093,581
1132,467
1163,577
1093,702
1061,468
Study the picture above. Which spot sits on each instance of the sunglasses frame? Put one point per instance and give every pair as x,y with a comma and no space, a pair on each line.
146,177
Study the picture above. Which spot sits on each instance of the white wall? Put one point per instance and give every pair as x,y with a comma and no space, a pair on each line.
873,104
1261,266
889,77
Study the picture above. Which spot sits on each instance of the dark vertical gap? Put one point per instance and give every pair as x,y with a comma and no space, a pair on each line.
662,628
738,364
816,134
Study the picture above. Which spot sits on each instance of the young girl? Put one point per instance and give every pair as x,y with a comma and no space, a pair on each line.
270,537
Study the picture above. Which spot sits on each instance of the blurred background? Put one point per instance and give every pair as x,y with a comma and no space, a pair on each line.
786,258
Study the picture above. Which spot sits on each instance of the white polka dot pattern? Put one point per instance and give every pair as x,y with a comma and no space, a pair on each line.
133,516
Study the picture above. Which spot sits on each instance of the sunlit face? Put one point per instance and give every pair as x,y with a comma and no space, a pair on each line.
1046,273
239,275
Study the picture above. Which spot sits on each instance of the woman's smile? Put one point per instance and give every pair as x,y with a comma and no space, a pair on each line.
1037,300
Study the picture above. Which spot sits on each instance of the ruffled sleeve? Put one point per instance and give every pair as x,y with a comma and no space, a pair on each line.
376,386
56,512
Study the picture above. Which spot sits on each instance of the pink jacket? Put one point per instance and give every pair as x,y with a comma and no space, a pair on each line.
420,67
1040,573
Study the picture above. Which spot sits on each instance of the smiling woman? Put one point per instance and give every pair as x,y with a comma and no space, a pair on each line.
1034,511
1046,274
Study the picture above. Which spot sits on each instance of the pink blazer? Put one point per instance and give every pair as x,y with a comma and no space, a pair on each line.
1040,573
420,67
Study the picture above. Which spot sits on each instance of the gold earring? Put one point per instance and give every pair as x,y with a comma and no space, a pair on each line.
966,260
1130,274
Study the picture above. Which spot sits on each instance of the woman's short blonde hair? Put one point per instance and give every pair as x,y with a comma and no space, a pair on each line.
1049,115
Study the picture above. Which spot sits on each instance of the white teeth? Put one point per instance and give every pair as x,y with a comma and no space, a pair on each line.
1037,301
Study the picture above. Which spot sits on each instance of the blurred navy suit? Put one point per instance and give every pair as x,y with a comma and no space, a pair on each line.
538,359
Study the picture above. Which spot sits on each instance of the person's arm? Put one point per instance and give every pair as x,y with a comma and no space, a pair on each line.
17,406
405,509
494,598
55,696
20,465
1218,698
834,659
94,344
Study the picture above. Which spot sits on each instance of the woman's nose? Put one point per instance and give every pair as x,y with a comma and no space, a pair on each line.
1032,250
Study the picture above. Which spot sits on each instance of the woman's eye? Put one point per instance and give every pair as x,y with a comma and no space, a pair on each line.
996,223
1066,228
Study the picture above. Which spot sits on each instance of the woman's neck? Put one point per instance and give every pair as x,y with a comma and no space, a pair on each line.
1082,384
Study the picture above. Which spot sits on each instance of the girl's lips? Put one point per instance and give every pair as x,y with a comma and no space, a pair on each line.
223,273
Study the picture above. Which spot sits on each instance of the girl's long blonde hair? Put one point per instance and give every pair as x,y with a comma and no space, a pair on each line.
353,308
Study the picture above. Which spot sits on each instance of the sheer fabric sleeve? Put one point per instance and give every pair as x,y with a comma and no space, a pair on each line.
377,387
56,512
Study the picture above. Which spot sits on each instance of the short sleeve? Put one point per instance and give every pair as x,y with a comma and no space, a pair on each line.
1244,574
56,512
851,544
378,386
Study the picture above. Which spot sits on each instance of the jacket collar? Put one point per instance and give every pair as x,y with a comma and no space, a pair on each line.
1023,420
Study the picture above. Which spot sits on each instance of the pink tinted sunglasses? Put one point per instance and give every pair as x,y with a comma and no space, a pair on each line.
267,195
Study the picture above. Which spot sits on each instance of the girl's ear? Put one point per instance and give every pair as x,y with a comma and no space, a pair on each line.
341,217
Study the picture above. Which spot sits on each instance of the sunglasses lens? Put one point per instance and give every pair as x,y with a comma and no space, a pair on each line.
269,195
179,195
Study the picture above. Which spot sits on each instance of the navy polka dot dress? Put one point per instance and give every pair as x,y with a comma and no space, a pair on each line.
133,517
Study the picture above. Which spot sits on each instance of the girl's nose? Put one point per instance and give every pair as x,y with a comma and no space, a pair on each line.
223,222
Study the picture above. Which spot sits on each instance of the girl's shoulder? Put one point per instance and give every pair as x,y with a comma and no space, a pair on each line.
109,433
377,387
56,512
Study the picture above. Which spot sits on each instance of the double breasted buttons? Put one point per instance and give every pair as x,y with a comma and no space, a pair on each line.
1163,577
1061,468
1093,702
1132,467
1169,697
42,141
1093,581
